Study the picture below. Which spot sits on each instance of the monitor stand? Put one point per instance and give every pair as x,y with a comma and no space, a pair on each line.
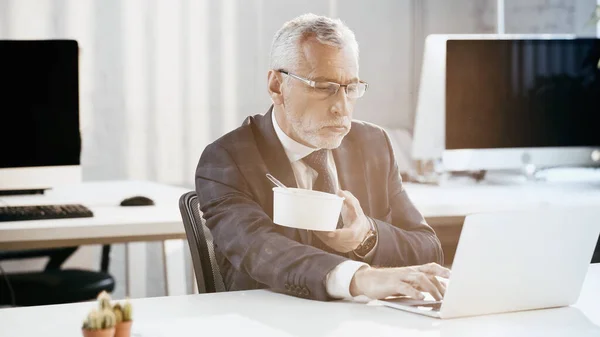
21,192
428,172
516,177
528,175
524,175
529,172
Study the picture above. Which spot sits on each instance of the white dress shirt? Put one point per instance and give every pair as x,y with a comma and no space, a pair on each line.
338,280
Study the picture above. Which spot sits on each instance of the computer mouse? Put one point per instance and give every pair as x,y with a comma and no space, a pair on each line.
137,201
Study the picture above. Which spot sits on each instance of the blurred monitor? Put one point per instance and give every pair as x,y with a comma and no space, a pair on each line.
494,102
529,101
39,108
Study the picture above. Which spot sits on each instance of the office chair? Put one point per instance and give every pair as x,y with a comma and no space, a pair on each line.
53,285
208,276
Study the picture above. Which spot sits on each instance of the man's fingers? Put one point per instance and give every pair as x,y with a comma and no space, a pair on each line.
342,234
422,282
435,270
408,290
433,290
349,200
325,236
341,237
439,285
443,283
351,211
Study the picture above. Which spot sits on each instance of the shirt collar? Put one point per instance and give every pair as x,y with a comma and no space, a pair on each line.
294,150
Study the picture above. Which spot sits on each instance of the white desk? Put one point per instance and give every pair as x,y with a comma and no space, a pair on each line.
451,202
263,313
443,206
111,223
446,206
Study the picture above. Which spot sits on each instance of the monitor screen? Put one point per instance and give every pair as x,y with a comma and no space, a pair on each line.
39,104
522,93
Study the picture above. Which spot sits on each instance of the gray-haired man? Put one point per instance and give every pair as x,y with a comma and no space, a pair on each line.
308,139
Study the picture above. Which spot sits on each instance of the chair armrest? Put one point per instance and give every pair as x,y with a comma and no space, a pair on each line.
57,255
31,253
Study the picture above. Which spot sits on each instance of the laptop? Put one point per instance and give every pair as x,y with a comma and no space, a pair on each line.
515,260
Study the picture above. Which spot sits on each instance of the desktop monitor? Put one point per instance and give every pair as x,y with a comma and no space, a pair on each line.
504,102
39,107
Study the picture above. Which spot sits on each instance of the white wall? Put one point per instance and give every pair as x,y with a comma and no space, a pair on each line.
160,79
598,24
550,16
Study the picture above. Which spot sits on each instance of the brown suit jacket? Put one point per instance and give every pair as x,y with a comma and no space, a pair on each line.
237,201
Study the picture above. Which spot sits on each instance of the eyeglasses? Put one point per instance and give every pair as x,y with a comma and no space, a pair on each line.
328,89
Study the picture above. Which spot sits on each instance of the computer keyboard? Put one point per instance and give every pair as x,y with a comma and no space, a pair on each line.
44,212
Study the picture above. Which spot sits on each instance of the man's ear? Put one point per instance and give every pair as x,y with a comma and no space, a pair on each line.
274,86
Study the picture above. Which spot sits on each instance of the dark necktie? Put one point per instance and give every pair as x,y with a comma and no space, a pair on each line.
318,161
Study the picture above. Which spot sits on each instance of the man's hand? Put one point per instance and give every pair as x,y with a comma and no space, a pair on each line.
409,281
356,226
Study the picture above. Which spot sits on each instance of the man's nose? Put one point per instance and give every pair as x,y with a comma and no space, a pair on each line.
341,106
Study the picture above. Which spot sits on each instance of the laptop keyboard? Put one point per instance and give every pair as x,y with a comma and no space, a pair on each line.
411,302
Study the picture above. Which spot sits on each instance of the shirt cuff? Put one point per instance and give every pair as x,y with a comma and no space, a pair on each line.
339,279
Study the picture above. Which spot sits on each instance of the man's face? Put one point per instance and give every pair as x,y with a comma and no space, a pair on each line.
311,116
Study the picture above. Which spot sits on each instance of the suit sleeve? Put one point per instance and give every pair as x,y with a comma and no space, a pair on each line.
408,239
246,235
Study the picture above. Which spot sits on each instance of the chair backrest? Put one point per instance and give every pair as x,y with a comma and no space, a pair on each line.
201,245
596,256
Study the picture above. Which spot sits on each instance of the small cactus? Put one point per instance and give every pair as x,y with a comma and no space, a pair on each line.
127,314
118,312
122,313
109,319
92,322
104,300
100,320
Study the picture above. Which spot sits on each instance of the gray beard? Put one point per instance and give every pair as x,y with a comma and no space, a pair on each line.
313,138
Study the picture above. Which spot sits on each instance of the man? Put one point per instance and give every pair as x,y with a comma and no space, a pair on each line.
308,140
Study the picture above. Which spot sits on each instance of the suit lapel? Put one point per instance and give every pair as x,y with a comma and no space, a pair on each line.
272,151
277,164
350,166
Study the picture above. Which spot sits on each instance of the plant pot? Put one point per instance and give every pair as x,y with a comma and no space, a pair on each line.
99,333
123,329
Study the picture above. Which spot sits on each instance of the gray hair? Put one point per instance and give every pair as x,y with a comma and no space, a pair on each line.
285,50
